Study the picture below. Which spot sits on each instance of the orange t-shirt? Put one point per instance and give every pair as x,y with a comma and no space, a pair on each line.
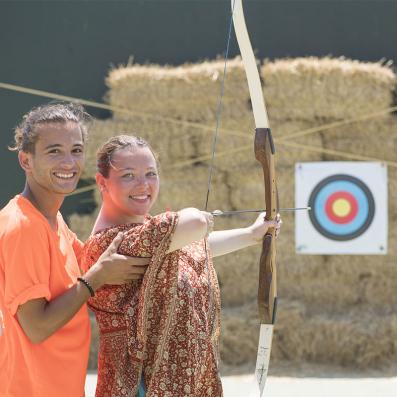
38,262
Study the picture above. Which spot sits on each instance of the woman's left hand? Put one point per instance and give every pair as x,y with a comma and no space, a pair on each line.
261,226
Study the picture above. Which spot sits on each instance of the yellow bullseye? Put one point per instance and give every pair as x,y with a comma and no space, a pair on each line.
341,207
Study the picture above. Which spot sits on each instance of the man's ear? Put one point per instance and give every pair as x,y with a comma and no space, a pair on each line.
101,182
25,160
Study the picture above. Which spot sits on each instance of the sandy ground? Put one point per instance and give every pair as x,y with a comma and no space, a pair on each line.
244,386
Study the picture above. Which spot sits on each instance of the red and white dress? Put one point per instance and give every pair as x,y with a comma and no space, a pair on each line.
165,327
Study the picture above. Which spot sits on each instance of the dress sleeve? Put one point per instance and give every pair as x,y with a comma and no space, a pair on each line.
145,240
26,266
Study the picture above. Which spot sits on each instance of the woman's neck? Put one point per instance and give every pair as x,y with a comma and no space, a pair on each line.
108,217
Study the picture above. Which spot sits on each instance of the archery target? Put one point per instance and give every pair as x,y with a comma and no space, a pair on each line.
348,203
342,207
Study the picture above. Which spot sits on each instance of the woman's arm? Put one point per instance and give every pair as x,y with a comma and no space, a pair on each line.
192,225
226,241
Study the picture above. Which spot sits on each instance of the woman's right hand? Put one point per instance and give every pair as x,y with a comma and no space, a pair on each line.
261,226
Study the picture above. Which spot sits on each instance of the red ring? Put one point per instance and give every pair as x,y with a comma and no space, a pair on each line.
353,207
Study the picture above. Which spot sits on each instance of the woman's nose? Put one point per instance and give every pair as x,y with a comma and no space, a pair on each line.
142,180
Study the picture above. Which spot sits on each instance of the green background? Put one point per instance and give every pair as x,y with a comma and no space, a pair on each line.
67,47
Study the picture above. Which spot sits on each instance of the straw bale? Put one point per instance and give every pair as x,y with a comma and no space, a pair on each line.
326,88
177,146
287,156
238,276
340,281
332,309
172,143
359,337
239,334
375,138
82,224
187,92
183,188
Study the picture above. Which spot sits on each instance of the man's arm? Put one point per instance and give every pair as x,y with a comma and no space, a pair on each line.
40,318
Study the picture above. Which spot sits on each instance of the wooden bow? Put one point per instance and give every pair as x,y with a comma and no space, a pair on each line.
264,153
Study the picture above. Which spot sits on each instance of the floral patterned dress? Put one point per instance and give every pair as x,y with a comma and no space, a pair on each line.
164,328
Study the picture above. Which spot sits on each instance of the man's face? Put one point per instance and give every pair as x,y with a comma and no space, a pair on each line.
58,159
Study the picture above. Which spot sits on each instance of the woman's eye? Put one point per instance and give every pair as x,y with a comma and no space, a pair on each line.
129,175
152,173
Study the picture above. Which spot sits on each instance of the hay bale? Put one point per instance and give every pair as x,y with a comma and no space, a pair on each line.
326,88
357,337
187,92
375,138
239,335
176,146
335,310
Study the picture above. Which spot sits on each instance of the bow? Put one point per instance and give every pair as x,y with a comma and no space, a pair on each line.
264,153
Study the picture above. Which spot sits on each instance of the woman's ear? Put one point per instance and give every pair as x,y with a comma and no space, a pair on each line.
101,182
25,160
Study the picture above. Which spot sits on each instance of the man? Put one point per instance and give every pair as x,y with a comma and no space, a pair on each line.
45,330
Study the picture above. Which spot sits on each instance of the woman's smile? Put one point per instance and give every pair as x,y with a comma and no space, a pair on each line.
140,198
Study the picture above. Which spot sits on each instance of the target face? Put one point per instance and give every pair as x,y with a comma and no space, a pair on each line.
343,207
348,203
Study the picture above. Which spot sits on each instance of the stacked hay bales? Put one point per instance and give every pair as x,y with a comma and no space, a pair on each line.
328,305
336,309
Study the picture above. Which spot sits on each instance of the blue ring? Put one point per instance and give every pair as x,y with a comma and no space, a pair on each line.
327,223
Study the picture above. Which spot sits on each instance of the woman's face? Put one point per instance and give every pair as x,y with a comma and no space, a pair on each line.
132,186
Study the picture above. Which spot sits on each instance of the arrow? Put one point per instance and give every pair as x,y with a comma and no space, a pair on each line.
226,213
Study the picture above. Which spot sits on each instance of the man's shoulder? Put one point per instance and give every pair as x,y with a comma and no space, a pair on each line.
15,217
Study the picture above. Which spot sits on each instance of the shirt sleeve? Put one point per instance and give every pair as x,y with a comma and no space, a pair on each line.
146,239
26,266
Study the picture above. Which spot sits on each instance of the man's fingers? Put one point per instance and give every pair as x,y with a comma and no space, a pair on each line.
138,261
138,270
114,245
135,261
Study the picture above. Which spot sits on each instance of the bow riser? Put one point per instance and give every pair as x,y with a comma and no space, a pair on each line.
267,288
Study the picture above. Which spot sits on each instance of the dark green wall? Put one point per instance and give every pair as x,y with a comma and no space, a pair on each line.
67,47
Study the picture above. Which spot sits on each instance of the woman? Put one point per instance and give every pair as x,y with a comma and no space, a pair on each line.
161,332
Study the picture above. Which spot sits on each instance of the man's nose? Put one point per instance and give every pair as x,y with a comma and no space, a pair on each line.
68,161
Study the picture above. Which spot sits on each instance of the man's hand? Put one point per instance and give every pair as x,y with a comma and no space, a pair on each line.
113,268
40,318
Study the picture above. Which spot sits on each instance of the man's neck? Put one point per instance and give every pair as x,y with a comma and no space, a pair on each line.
45,202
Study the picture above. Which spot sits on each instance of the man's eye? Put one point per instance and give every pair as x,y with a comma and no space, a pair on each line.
54,151
78,150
